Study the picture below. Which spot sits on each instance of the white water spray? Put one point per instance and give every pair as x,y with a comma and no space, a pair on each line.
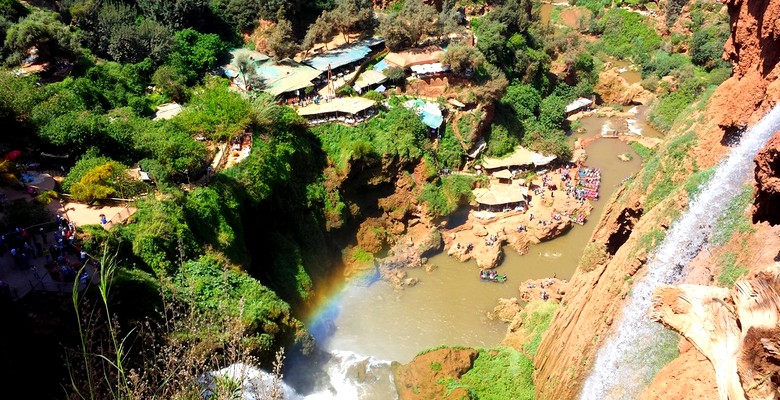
629,358
348,376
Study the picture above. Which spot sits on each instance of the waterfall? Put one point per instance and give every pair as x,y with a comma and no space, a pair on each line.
630,357
330,376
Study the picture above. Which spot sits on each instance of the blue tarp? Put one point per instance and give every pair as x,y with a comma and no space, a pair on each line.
432,120
381,66
429,113
339,57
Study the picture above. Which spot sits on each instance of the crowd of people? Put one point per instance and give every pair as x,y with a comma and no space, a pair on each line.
57,252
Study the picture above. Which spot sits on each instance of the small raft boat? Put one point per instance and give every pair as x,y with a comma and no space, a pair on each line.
492,277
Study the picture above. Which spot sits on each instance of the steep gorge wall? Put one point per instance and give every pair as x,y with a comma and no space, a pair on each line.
630,229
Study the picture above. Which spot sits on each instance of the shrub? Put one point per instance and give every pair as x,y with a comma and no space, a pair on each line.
450,153
627,35
641,150
450,192
499,374
374,95
594,254
733,220
731,271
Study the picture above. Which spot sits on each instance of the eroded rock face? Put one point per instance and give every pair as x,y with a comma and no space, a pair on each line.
418,379
767,194
754,51
613,88
736,329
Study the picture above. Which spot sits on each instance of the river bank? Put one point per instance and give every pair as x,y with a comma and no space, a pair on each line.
448,303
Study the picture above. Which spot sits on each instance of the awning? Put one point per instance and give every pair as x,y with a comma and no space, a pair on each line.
368,78
503,174
500,195
347,105
520,157
577,104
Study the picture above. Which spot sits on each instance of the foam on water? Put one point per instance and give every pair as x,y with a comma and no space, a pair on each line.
348,376
630,357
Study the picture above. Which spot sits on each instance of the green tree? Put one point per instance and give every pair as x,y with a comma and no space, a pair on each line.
195,53
216,112
99,183
18,96
707,45
322,30
132,44
450,17
523,99
552,111
462,58
43,31
101,22
407,27
281,41
171,83
351,15
175,14
492,41
514,14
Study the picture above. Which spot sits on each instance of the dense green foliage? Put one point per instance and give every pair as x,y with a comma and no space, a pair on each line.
214,287
626,34
498,374
536,324
446,193
397,133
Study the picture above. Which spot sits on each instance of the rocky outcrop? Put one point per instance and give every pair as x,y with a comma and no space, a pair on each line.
614,259
689,376
754,51
505,310
738,330
613,88
419,379
767,196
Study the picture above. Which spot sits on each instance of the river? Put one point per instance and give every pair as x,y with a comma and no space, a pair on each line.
450,305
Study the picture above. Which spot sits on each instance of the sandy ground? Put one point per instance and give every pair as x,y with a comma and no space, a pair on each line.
85,214
17,281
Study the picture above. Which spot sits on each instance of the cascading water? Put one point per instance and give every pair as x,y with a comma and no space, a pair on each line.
338,375
629,359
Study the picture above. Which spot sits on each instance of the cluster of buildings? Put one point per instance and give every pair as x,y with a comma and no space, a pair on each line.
505,191
311,84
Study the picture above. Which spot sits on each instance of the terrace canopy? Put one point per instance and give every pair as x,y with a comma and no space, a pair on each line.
519,158
286,76
499,195
369,78
344,105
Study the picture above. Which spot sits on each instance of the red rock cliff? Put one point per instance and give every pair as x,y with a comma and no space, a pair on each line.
754,51
617,253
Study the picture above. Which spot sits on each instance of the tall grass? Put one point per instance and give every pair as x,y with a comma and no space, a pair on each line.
168,357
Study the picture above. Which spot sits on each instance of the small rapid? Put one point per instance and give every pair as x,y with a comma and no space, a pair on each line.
631,356
336,375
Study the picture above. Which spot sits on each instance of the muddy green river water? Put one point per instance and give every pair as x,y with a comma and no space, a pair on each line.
450,304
